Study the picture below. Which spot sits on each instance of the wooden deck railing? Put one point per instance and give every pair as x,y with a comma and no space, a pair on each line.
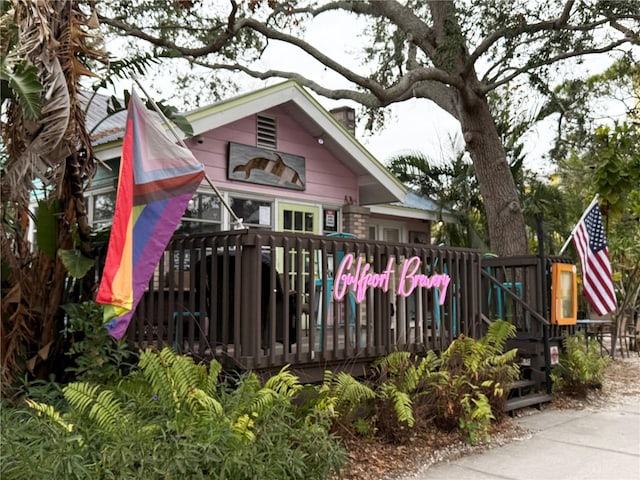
261,300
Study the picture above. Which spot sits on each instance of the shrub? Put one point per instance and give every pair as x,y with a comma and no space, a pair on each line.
400,379
581,366
465,388
96,355
474,384
171,419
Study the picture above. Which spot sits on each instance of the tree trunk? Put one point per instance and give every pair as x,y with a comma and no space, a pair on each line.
505,217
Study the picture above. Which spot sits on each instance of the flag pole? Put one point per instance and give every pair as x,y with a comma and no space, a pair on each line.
237,221
584,214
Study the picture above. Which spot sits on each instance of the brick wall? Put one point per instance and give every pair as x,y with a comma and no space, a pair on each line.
355,219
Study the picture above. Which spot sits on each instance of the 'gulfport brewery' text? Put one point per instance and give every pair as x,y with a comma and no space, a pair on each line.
363,278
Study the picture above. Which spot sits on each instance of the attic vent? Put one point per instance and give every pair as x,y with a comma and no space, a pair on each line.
267,132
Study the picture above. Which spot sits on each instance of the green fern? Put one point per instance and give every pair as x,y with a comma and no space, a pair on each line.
154,370
180,383
215,368
50,412
349,392
185,375
201,402
243,426
428,365
407,372
402,404
263,399
284,383
581,366
497,335
103,408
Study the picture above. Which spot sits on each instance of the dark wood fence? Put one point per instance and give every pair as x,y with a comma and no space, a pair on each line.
261,300
518,289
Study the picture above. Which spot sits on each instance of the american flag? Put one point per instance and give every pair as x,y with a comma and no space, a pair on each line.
591,243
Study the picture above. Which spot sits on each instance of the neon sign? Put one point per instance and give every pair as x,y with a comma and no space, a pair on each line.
364,278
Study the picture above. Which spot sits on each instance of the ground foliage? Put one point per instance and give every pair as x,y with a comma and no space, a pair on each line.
169,417
375,460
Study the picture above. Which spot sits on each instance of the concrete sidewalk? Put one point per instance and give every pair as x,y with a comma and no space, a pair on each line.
565,445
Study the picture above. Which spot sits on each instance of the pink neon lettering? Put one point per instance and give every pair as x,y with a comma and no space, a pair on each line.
409,280
362,280
342,281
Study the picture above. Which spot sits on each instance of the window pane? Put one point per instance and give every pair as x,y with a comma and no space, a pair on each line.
252,212
391,235
210,208
191,226
308,222
104,206
288,224
205,207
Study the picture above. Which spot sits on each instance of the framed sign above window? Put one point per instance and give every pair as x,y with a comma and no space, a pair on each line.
330,220
266,167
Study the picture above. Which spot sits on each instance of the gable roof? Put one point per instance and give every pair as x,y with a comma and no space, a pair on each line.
375,183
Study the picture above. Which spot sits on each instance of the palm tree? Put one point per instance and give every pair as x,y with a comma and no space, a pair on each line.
47,47
453,186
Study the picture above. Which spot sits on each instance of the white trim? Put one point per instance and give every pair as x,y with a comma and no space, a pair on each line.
415,213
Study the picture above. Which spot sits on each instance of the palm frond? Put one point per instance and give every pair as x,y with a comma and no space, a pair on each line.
23,86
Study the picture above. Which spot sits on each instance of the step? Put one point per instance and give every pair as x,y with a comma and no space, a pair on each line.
522,388
536,399
522,383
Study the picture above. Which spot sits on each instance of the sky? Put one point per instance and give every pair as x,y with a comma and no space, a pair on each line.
416,125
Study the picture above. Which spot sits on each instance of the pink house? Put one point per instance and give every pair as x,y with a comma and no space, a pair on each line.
274,290
283,163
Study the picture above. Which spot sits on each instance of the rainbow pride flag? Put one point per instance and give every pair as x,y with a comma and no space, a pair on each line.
157,180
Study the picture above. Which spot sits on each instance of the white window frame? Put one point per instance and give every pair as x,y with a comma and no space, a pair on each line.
380,225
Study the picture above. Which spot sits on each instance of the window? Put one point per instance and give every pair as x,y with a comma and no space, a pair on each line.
104,206
266,132
254,213
203,214
387,231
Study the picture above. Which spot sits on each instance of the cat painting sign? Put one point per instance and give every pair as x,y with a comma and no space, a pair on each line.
364,278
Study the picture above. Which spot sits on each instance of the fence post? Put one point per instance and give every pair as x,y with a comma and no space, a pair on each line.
250,328
542,269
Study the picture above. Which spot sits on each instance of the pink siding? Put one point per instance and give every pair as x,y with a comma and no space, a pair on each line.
327,179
